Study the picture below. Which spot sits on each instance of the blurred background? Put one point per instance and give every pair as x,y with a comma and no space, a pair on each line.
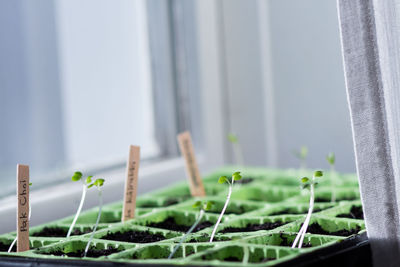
82,80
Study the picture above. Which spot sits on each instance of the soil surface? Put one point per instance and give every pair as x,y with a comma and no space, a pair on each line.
253,227
134,236
170,224
286,243
320,199
91,253
356,212
289,211
317,229
59,232
206,238
5,247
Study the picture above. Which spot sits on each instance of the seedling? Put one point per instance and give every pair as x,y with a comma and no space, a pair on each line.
203,206
309,184
237,149
29,218
331,160
302,156
98,183
85,185
223,179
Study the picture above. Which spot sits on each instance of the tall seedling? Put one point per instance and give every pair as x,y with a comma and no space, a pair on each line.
237,149
309,184
223,179
302,156
85,185
98,184
331,160
203,206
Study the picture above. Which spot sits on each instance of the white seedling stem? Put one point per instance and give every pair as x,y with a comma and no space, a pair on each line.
97,221
237,150
303,229
223,210
15,240
201,214
333,177
79,210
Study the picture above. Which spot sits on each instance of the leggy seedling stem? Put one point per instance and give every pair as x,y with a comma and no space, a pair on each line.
302,156
237,149
305,184
331,160
223,179
205,206
98,183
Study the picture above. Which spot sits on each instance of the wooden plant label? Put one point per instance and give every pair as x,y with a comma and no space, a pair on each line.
192,170
22,208
132,168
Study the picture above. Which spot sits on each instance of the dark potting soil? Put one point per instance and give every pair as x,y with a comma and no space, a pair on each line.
253,227
59,232
170,224
317,229
5,247
356,212
134,236
320,199
286,243
206,238
92,253
289,211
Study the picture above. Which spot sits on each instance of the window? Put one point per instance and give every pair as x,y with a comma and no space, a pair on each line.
76,88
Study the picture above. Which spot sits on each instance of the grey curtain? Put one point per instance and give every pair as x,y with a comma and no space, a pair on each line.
371,46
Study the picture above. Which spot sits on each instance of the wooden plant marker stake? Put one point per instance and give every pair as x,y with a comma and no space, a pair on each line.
132,169
192,169
22,208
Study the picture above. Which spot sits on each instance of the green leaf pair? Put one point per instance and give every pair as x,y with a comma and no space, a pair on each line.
331,158
236,176
78,176
306,182
204,205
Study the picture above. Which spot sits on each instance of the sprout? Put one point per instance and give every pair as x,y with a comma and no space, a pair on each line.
203,206
331,160
98,183
237,149
309,184
302,156
223,179
29,218
86,183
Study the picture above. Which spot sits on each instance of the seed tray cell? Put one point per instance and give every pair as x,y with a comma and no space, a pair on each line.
235,207
74,248
161,252
181,219
122,231
332,226
286,239
256,224
243,255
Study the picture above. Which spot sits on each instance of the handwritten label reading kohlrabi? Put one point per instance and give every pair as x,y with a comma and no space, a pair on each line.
132,169
192,169
22,208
